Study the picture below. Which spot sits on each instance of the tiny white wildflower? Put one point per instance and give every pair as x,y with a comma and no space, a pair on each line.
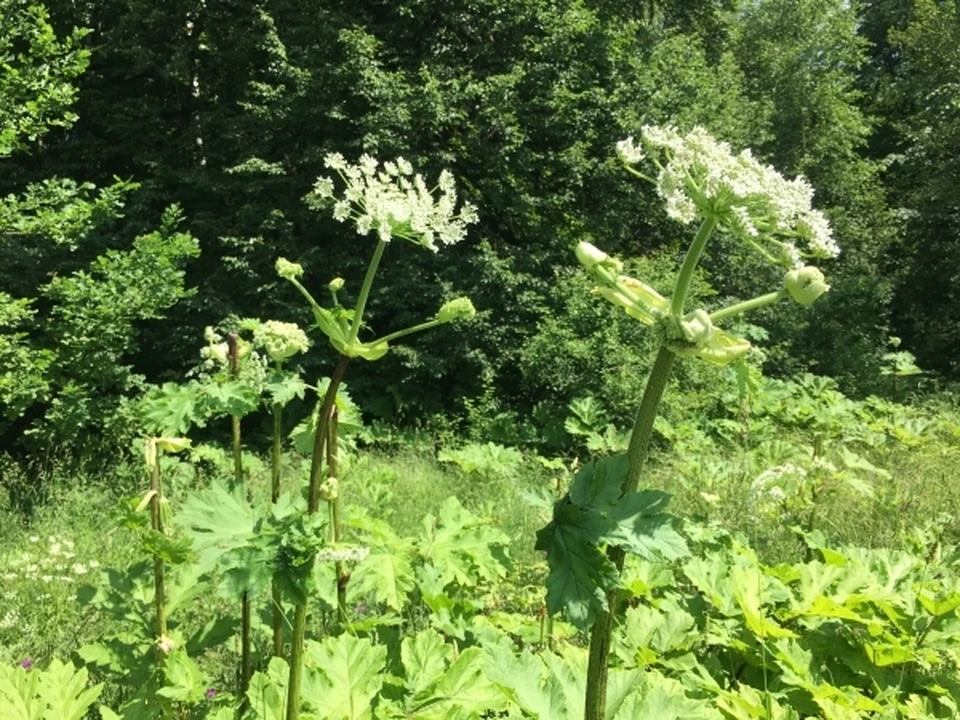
34,538
79,569
323,187
335,161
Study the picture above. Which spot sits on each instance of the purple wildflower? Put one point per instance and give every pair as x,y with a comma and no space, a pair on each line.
211,693
26,663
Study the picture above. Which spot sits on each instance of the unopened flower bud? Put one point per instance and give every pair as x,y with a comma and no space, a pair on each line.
281,340
336,285
805,284
457,309
329,489
697,328
166,645
590,255
288,270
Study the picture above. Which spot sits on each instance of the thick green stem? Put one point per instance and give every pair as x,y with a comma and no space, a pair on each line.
694,252
159,586
601,633
747,305
295,682
332,469
365,290
246,664
274,496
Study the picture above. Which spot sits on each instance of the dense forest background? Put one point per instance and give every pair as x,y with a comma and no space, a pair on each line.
154,158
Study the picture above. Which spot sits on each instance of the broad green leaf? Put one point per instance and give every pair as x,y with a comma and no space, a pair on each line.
218,520
465,548
580,573
184,681
173,409
387,576
283,387
464,687
424,660
889,653
521,679
650,632
660,697
599,483
234,398
268,691
65,691
641,528
711,576
350,672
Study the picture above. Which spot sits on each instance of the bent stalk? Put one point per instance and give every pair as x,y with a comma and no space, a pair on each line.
313,503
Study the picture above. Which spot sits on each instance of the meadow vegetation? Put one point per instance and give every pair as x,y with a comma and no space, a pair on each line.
318,400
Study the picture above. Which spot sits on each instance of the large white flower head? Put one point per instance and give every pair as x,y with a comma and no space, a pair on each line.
395,202
700,176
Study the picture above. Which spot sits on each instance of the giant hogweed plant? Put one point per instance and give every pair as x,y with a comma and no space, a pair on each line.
701,182
391,201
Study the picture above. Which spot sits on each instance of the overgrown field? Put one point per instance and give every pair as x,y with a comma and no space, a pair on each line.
814,573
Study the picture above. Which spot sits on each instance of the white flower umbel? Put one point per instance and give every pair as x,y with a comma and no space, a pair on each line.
395,202
698,176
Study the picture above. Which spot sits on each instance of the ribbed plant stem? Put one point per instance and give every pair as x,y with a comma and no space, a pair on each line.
313,503
332,470
274,496
246,664
159,587
601,632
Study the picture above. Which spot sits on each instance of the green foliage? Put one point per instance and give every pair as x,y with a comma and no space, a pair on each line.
58,691
593,514
37,74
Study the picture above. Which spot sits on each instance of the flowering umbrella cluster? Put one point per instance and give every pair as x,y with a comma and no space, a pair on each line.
395,202
699,176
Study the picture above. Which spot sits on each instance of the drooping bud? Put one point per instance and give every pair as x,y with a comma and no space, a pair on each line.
457,309
172,445
336,285
288,270
589,255
805,285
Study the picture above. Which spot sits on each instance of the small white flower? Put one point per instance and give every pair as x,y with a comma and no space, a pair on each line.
344,554
79,569
34,538
629,151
